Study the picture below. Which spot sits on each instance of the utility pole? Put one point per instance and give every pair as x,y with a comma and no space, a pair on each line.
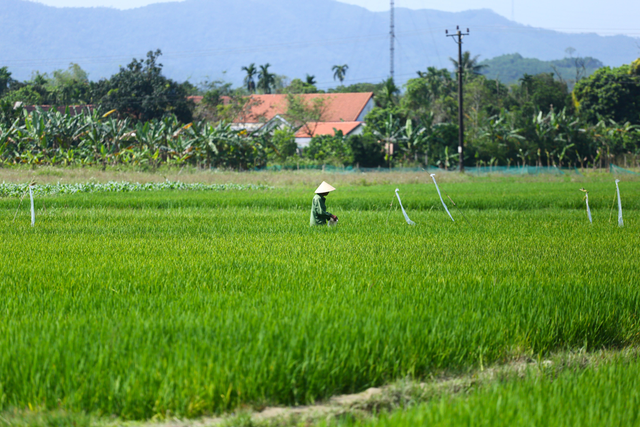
457,38
392,34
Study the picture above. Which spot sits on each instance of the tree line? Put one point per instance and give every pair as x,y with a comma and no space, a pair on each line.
537,121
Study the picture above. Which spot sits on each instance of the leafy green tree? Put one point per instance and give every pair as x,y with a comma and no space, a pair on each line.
609,93
377,117
249,79
305,114
339,72
280,82
39,84
357,88
470,66
298,86
217,87
541,92
266,80
70,86
332,149
483,98
141,92
438,81
433,91
310,80
74,73
387,96
27,95
366,150
212,99
284,143
5,80
417,97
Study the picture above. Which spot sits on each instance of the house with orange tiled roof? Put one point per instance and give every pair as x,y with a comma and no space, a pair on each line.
340,111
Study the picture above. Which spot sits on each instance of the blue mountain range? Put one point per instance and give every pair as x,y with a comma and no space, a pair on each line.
212,39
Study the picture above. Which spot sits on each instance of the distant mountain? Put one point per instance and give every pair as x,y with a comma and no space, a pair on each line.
510,68
215,38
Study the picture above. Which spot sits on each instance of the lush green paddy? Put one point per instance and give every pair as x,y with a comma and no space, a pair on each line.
197,302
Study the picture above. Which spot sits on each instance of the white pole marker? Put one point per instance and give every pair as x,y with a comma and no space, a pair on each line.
33,212
620,222
433,175
586,198
403,211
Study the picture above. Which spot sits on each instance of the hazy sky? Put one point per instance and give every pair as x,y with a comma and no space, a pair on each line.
603,17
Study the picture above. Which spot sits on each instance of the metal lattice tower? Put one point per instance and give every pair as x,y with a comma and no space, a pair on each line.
392,34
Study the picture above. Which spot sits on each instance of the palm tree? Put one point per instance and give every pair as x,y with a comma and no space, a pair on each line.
526,83
469,65
389,92
339,72
311,80
248,80
266,80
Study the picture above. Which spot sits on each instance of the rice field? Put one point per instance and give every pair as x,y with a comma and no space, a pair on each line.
187,303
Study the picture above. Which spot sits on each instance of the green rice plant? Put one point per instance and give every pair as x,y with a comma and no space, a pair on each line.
604,395
146,304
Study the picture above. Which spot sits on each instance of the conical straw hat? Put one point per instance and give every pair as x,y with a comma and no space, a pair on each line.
324,188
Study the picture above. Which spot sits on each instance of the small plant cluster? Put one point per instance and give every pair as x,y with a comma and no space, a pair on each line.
17,190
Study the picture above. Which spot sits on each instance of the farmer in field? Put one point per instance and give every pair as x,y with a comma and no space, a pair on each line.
319,214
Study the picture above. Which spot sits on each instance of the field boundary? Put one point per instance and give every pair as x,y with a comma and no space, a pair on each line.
402,394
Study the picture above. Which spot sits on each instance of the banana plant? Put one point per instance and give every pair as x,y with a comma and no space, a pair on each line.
35,128
497,138
415,138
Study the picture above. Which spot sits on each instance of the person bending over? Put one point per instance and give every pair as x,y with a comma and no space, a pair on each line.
319,214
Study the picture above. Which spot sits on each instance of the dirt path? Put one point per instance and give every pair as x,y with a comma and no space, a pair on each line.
400,394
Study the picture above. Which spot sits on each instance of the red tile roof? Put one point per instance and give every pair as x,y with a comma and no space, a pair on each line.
326,128
338,106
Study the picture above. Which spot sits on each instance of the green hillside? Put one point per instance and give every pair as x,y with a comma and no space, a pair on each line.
509,68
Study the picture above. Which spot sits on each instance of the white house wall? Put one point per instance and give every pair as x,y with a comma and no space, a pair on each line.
303,142
249,127
357,131
368,107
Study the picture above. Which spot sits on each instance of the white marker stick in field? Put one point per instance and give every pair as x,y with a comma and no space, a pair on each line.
403,211
33,212
586,198
620,222
433,175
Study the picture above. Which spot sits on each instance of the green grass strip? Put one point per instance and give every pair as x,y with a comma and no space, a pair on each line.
601,395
